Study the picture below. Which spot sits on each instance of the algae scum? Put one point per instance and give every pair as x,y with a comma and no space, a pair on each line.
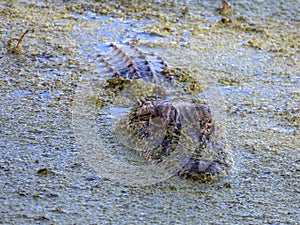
247,64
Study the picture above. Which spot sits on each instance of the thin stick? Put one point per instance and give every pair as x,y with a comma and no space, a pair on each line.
18,47
21,38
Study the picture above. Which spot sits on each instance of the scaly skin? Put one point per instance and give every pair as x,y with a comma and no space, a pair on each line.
181,136
183,131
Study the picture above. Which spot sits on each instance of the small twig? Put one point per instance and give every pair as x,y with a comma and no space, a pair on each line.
21,38
18,48
226,9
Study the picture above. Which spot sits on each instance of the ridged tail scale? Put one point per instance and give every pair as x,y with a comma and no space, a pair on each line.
128,62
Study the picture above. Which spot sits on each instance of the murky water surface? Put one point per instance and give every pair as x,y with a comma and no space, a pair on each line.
249,66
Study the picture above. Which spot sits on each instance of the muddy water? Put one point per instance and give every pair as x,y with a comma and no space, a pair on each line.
249,70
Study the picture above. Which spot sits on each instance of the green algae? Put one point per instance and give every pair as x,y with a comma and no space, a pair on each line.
253,59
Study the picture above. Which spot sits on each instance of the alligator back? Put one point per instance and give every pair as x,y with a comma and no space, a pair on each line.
128,62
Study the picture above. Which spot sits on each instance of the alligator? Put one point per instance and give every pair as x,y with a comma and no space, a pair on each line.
163,126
